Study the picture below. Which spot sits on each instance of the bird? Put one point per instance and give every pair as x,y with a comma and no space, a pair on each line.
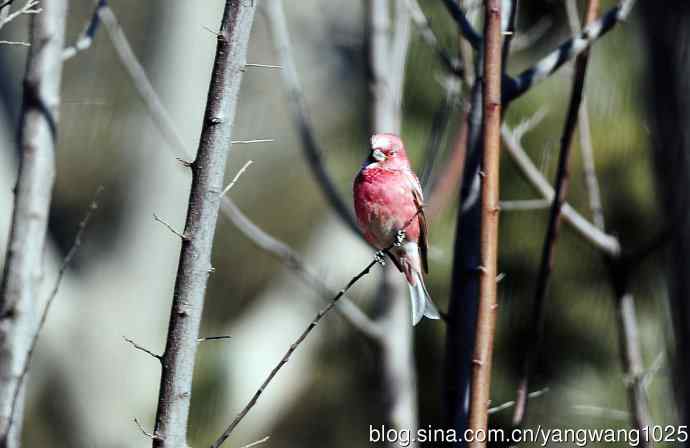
388,203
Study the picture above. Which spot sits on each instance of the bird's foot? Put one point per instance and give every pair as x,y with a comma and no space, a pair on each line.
399,238
380,258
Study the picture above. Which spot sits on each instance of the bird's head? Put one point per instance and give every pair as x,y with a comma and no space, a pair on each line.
388,151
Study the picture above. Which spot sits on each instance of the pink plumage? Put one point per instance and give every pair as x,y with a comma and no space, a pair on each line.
387,197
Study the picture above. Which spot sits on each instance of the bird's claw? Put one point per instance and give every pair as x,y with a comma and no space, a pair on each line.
380,258
399,238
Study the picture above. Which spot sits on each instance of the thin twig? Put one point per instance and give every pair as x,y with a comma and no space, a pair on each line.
510,404
548,254
292,260
263,66
143,431
486,316
213,338
286,357
29,8
525,205
248,142
237,176
76,244
258,442
142,349
169,227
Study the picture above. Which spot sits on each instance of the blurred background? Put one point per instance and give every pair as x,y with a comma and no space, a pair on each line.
87,384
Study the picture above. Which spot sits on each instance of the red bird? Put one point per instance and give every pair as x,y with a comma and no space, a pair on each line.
388,204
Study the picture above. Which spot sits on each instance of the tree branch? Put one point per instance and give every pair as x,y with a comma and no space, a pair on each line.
517,86
23,274
295,345
204,203
486,318
464,25
535,337
85,39
606,243
298,109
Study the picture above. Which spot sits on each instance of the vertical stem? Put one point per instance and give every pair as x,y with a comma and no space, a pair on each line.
195,258
486,318
23,273
552,231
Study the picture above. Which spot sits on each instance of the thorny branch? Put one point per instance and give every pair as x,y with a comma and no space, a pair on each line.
487,309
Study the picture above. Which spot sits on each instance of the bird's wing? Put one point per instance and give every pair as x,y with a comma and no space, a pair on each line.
423,242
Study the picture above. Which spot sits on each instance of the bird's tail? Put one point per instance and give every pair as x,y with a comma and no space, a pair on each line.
421,301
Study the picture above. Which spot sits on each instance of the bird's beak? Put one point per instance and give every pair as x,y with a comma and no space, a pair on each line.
378,155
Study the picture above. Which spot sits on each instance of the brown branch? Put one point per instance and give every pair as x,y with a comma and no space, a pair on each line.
23,271
204,203
486,317
549,248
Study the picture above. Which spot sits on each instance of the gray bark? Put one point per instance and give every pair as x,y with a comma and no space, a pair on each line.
195,259
23,270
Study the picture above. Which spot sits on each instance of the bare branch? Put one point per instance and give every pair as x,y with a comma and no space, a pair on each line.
143,85
169,227
15,42
525,205
295,345
23,273
234,179
213,338
464,25
258,442
31,7
293,261
264,66
142,349
606,243
510,404
424,28
143,431
486,317
552,231
312,151
249,142
85,39
568,50
202,215
76,244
